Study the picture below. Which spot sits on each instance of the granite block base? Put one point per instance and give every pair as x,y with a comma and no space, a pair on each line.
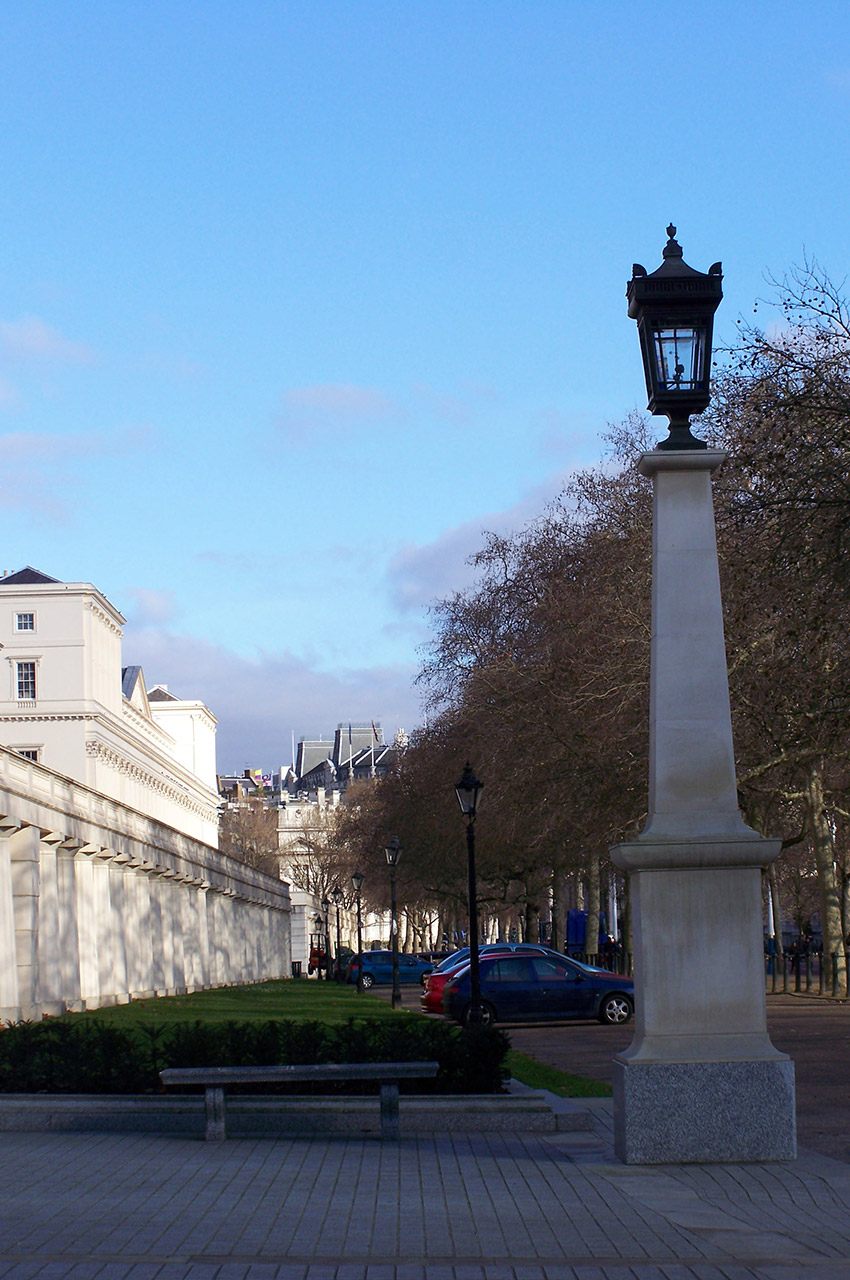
701,1112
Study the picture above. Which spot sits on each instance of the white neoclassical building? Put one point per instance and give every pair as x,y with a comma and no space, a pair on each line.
67,703
112,886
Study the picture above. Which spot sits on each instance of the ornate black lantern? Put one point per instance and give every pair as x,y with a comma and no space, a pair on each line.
674,308
468,789
393,851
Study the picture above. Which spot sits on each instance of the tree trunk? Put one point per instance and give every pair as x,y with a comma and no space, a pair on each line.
830,893
591,939
532,916
626,932
559,919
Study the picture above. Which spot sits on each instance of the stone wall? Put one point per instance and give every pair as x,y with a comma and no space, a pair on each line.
100,904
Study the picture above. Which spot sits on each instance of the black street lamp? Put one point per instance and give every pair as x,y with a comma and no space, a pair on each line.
337,895
357,881
393,852
468,790
674,308
326,906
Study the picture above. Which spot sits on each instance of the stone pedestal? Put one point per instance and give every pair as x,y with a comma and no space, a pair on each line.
701,1080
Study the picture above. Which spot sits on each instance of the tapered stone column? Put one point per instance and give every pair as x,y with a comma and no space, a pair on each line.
701,1080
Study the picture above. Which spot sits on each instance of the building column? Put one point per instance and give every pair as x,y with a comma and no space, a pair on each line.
177,891
10,1003
87,914
118,880
140,959
69,934
106,930
24,857
204,956
50,991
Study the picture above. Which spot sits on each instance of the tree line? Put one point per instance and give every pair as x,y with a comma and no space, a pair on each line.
539,672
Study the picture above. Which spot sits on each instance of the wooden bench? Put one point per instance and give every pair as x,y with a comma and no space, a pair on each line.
214,1080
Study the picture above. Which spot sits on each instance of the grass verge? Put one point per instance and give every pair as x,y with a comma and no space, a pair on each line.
298,999
537,1075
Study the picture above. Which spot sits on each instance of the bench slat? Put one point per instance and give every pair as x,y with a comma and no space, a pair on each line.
315,1071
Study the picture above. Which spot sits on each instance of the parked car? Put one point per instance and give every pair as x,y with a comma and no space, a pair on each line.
378,968
342,959
435,957
522,988
433,984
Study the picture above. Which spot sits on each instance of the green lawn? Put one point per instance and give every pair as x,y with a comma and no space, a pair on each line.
296,998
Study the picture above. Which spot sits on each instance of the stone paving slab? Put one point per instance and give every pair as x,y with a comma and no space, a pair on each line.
444,1206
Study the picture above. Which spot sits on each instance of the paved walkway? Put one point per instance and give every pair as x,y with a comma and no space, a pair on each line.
432,1207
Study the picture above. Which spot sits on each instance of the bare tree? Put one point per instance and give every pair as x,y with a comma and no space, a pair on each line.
248,831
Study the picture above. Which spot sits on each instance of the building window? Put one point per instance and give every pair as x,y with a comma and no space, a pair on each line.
26,681
25,622
29,753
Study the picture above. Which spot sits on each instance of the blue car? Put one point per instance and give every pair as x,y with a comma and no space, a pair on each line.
541,988
378,968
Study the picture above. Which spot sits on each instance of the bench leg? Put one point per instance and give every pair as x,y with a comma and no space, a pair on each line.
216,1115
389,1111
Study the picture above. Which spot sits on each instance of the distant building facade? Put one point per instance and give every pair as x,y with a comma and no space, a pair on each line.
305,796
357,753
67,703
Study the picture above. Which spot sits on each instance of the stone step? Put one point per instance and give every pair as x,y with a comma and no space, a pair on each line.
255,1115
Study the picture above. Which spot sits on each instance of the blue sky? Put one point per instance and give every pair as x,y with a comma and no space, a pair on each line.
296,299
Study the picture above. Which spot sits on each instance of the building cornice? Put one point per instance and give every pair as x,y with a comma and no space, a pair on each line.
108,619
107,755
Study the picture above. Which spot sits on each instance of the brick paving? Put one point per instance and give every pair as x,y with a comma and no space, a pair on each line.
449,1206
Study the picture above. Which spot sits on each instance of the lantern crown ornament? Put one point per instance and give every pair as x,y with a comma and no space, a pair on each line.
674,307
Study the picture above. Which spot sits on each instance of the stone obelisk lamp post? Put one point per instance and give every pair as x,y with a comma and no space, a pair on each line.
701,1080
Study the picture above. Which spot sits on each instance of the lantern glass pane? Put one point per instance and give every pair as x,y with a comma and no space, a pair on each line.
679,357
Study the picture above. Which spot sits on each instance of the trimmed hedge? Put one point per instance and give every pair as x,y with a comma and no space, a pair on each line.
92,1056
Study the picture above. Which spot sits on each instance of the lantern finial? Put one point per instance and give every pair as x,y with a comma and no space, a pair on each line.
672,248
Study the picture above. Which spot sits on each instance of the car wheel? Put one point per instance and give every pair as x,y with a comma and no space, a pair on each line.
488,1015
615,1010
367,980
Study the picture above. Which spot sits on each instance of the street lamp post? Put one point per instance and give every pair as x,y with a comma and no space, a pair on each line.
393,852
326,906
337,895
701,1080
468,789
357,881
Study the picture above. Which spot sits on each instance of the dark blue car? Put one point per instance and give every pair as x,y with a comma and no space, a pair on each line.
523,988
378,968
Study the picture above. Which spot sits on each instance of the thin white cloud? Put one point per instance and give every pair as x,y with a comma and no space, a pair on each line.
460,409
9,397
31,339
152,608
420,574
259,702
40,470
562,435
237,561
307,411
